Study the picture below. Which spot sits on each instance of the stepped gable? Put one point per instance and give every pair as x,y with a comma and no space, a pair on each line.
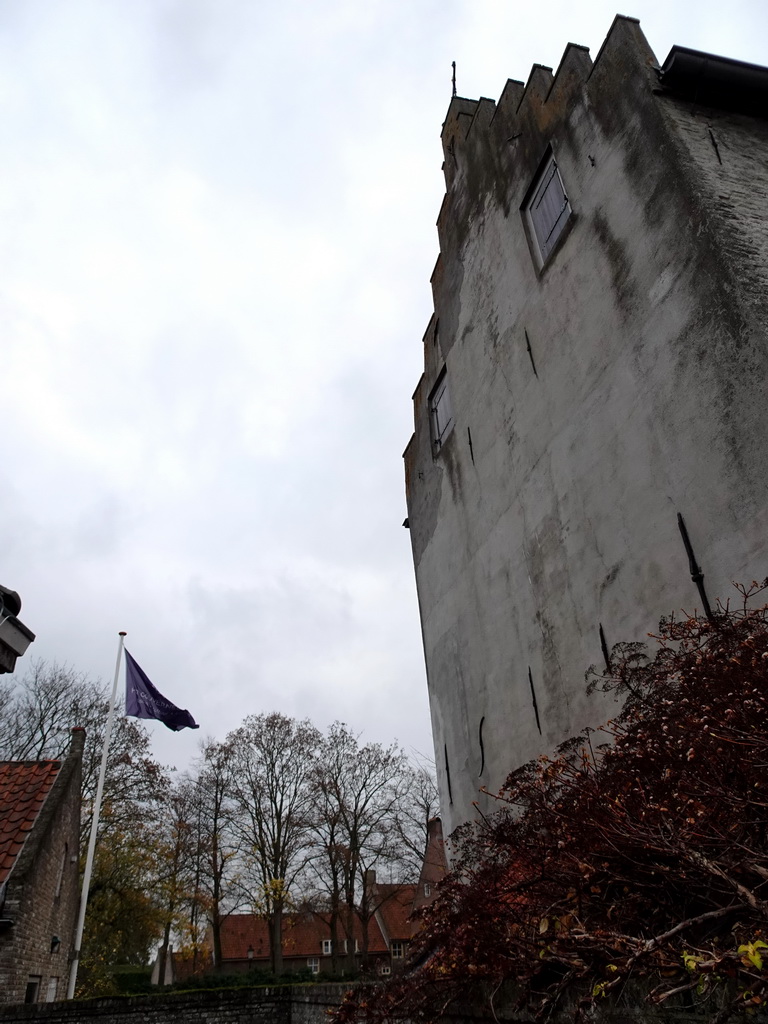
24,786
572,73
537,89
494,149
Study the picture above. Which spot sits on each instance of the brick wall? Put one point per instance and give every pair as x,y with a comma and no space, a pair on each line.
309,1004
285,1005
42,893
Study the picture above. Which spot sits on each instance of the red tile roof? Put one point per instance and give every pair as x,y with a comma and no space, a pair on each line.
24,785
303,936
395,909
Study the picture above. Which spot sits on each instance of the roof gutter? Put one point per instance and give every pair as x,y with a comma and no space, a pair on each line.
710,80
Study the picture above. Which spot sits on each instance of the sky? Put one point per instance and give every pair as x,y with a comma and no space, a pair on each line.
218,228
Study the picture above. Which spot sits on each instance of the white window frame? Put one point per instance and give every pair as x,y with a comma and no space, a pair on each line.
547,210
385,969
327,947
440,411
313,963
427,889
398,949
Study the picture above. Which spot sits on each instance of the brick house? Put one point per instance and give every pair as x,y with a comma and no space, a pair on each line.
307,943
39,847
394,905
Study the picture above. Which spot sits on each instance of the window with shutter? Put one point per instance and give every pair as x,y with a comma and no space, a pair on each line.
440,411
548,209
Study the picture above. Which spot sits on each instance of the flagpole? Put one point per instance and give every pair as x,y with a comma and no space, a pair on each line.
94,827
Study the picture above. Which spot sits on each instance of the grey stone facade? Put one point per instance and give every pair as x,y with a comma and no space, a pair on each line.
41,895
595,393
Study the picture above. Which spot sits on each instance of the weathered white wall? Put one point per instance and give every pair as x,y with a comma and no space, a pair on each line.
650,347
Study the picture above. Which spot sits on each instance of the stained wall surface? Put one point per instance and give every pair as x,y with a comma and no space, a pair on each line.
594,398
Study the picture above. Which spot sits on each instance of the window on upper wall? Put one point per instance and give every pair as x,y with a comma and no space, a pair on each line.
440,412
326,947
398,949
547,210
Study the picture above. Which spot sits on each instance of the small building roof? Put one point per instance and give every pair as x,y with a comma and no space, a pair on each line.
303,936
395,909
24,786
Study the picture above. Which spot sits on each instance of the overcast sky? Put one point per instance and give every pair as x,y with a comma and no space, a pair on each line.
217,232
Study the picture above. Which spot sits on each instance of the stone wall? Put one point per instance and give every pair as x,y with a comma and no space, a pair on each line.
42,893
289,1004
594,397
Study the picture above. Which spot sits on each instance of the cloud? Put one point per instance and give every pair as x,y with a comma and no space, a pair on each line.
218,231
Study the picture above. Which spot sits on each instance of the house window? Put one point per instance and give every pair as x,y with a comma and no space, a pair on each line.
440,412
313,963
548,209
326,947
346,946
427,889
385,969
397,950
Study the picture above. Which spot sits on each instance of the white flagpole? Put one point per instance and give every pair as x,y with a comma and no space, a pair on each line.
94,826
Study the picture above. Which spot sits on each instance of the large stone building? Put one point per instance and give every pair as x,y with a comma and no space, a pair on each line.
590,429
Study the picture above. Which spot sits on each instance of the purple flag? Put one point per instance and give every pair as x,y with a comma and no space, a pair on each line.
142,700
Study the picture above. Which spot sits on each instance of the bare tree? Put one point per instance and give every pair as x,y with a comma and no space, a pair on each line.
177,857
273,757
420,803
217,882
38,711
359,790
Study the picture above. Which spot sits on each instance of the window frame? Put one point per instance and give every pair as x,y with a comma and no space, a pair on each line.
545,241
34,986
439,394
313,963
397,949
327,946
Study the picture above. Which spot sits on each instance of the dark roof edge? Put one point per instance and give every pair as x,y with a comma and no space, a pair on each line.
709,78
